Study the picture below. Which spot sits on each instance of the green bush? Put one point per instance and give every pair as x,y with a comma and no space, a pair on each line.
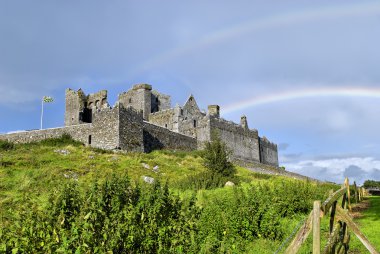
371,184
205,180
216,157
111,217
63,140
6,145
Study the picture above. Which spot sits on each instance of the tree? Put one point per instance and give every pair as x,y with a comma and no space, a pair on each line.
216,157
371,184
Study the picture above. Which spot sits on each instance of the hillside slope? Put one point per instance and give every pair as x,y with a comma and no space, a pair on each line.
38,175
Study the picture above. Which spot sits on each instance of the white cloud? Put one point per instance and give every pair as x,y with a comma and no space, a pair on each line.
335,170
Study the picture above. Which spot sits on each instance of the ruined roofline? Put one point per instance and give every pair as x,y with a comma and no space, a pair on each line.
222,120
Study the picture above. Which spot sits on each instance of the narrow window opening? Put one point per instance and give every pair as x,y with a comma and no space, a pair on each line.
195,123
130,100
166,125
89,139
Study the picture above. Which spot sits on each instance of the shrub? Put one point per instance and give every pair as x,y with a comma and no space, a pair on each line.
205,180
216,157
63,140
111,217
371,184
6,145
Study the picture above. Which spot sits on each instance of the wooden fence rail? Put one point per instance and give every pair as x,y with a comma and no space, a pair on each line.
340,223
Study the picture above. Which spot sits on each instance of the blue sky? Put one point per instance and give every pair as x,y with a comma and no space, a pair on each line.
247,56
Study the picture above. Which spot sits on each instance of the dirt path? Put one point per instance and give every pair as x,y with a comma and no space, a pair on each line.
357,209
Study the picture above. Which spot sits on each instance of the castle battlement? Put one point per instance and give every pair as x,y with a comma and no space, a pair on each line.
143,120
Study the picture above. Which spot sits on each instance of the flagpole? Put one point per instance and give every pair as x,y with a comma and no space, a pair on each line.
42,111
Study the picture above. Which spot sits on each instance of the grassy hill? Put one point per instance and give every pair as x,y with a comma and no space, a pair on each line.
39,180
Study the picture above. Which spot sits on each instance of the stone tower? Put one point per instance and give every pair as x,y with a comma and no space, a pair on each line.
243,122
139,98
214,110
75,104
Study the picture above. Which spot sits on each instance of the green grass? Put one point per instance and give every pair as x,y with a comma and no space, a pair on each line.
369,224
34,171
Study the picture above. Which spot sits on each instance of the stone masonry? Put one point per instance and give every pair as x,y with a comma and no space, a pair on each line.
143,120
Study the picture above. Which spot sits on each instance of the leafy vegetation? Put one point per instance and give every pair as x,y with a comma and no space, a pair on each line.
6,145
77,199
371,184
206,180
113,216
216,157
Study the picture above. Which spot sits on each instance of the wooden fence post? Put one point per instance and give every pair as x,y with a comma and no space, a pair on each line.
347,184
356,193
317,227
340,222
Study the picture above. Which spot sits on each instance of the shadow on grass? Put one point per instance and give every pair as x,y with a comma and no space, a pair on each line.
373,212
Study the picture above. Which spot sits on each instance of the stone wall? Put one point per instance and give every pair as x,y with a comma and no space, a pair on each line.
243,143
142,98
78,132
105,129
130,130
160,101
97,100
166,118
268,152
91,120
190,118
156,138
139,98
203,131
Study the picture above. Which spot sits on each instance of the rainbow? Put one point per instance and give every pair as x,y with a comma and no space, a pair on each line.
354,92
259,24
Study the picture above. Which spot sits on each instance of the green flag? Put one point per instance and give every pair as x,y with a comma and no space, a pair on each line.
47,99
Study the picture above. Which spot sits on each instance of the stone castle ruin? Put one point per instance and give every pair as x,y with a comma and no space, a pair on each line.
143,120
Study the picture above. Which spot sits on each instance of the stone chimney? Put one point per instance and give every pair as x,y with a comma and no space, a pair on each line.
214,110
243,122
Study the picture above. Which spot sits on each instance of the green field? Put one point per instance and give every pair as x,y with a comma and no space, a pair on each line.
369,224
59,196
